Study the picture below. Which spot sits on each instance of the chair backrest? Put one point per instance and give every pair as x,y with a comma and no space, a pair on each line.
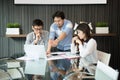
105,72
104,57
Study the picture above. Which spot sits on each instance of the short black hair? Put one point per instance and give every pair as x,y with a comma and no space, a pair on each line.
37,22
85,28
59,14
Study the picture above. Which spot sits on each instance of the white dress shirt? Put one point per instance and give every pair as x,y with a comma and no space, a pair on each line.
88,52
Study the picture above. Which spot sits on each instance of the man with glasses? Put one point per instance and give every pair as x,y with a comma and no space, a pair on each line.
37,37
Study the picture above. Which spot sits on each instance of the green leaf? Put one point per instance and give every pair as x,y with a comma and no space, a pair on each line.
101,24
13,25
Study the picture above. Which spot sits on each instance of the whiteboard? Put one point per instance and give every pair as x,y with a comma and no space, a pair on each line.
60,1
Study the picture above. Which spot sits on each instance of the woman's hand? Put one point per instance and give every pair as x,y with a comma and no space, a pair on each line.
78,41
74,39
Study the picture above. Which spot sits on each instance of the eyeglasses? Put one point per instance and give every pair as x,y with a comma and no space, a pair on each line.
38,29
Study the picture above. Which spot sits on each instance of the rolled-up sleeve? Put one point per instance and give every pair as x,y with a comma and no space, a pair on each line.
52,33
46,39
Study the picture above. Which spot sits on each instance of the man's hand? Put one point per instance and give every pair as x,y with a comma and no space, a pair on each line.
48,53
37,38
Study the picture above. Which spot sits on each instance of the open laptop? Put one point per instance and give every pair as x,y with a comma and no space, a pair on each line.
35,51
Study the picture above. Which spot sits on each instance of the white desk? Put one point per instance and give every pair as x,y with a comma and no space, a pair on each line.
38,66
60,55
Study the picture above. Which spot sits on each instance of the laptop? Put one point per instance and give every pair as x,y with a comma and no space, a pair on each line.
35,51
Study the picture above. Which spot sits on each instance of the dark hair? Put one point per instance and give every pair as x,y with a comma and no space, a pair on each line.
37,22
59,14
85,28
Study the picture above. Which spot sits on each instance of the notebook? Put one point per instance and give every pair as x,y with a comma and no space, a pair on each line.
35,51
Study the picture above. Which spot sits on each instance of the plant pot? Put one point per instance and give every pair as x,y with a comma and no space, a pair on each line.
12,31
102,29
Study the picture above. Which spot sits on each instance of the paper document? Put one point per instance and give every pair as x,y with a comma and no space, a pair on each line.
26,58
59,52
62,55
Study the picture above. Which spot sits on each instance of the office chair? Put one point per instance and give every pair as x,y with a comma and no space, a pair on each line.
105,72
104,57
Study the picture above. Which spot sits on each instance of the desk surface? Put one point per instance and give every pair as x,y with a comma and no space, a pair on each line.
38,66
30,65
60,55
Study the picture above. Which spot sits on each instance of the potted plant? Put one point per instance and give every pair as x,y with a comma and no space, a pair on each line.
102,27
13,28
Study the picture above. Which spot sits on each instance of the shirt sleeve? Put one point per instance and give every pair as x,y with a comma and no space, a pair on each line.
52,32
73,48
29,39
87,48
46,39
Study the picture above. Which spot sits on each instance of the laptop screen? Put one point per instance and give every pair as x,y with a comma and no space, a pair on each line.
35,51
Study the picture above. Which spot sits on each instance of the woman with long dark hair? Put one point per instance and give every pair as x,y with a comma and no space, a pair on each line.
87,46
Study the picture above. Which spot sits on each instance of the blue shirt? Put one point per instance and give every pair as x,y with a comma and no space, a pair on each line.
55,32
